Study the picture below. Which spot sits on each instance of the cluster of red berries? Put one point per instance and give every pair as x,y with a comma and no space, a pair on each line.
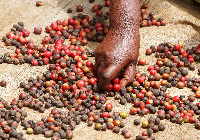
43,55
70,82
153,125
167,72
114,86
150,19
10,118
171,61
79,29
17,35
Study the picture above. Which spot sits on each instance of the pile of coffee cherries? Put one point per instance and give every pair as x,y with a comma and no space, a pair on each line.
70,83
150,19
80,29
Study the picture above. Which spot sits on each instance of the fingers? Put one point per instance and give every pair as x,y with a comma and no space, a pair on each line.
96,66
98,60
108,74
101,69
128,76
97,55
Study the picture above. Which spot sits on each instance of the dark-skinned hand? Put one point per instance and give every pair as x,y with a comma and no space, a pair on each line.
120,48
116,52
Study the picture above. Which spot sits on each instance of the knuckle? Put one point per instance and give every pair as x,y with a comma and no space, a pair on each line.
106,77
107,56
134,62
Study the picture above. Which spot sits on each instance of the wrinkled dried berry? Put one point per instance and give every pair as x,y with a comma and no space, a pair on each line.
137,121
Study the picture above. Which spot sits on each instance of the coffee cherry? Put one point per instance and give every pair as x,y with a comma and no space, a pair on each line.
39,3
142,61
69,10
116,80
198,94
3,83
99,13
180,85
79,8
161,127
116,87
127,135
34,62
26,33
29,130
116,129
117,123
123,115
37,30
145,124
98,126
137,121
107,3
108,107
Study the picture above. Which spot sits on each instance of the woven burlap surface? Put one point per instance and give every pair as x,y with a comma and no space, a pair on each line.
182,26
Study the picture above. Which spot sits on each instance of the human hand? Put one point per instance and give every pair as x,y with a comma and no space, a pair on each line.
117,51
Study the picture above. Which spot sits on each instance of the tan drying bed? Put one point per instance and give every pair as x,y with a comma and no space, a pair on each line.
183,26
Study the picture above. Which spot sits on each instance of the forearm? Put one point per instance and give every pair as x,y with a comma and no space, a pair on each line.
125,15
120,49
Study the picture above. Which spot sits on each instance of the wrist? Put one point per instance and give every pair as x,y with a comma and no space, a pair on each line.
124,14
130,34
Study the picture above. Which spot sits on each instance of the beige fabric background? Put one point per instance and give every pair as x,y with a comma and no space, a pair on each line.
182,26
